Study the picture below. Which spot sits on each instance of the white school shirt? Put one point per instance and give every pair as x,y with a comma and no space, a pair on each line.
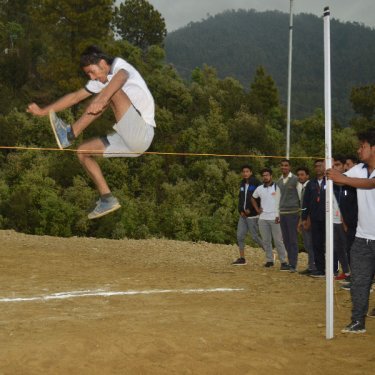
245,200
285,179
269,201
135,88
300,187
366,203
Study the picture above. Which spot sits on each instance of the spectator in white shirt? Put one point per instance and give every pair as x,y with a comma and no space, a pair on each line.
269,221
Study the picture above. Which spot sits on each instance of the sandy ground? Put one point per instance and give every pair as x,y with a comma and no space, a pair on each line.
270,322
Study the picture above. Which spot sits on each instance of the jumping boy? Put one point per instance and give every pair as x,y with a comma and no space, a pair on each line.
118,84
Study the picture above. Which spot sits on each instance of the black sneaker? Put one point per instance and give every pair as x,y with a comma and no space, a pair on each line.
239,262
354,327
346,286
346,280
318,274
306,272
292,269
268,264
285,267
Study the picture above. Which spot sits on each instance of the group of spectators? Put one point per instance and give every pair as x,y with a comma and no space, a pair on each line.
295,203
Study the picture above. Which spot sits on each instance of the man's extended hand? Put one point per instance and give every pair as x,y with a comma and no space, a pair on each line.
35,110
335,176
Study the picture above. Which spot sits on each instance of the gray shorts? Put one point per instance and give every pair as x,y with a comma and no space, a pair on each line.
132,136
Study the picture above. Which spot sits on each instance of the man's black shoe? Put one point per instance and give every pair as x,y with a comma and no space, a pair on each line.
285,267
354,327
346,280
318,274
346,286
268,264
239,262
306,272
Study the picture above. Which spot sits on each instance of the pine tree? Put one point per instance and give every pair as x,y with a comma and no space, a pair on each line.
263,96
138,22
71,25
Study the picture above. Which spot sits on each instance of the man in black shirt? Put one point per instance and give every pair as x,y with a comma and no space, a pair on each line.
314,208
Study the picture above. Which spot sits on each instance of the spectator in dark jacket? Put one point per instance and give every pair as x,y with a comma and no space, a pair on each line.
303,176
350,162
339,227
349,208
248,220
314,208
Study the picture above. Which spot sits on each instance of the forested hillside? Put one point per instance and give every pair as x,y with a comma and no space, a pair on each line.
237,42
178,197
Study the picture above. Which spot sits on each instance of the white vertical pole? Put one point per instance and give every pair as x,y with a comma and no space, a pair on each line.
289,80
329,186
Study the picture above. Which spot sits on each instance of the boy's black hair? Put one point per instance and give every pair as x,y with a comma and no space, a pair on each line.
266,170
305,169
246,166
367,136
285,161
318,161
92,55
340,158
353,158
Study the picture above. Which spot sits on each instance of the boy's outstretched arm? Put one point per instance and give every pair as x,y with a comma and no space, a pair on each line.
66,101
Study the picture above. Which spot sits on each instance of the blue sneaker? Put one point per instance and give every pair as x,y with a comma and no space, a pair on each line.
60,129
104,207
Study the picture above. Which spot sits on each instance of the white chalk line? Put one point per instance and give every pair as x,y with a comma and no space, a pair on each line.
103,293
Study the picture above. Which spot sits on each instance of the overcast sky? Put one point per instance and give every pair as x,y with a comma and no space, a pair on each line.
178,13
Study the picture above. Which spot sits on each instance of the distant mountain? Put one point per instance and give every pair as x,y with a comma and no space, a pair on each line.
236,42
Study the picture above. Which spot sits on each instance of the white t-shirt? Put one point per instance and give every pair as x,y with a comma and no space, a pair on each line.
366,203
269,201
135,87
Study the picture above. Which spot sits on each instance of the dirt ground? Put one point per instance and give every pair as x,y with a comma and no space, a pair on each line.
169,316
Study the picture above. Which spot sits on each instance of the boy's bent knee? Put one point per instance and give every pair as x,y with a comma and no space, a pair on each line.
90,149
